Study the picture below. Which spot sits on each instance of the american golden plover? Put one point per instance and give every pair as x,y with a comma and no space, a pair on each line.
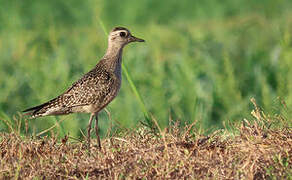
96,89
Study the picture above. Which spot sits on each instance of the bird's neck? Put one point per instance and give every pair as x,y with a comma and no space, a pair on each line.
113,58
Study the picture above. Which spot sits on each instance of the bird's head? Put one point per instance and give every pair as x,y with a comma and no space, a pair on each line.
122,36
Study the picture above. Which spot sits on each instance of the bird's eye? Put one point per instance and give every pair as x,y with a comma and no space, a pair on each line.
122,34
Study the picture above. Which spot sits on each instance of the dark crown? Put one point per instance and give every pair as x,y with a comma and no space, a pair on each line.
119,28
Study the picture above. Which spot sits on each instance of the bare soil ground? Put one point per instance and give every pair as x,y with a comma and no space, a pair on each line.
254,150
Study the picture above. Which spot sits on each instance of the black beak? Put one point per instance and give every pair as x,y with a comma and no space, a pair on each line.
135,39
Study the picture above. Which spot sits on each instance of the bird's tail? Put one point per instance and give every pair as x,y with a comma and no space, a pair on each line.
34,112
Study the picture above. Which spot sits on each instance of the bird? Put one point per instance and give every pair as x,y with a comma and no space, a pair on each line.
94,90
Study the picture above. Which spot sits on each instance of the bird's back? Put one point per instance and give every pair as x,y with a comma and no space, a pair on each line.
89,94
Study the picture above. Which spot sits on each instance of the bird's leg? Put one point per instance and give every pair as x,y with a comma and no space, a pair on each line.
96,131
89,129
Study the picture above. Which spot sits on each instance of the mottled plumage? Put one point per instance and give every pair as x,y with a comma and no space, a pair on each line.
89,94
96,89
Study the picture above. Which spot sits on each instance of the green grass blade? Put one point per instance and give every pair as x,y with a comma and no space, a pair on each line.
103,27
136,92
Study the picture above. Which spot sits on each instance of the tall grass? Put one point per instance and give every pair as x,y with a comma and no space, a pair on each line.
202,61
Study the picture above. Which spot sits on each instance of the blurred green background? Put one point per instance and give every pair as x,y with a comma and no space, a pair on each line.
202,60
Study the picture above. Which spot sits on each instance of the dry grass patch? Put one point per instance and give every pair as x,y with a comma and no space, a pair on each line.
255,150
